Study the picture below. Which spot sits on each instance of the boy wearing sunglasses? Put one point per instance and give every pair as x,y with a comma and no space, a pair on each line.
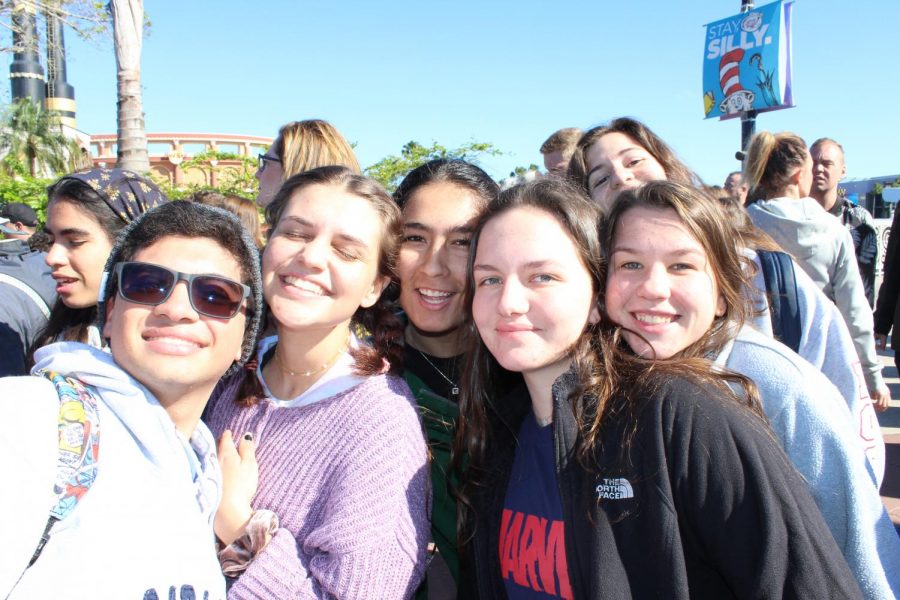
107,467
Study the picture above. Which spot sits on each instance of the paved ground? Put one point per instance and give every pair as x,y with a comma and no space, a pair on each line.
890,427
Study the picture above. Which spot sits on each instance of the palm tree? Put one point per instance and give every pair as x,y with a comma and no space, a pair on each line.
33,138
128,24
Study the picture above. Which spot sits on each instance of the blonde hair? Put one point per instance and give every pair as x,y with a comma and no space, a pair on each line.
305,145
772,160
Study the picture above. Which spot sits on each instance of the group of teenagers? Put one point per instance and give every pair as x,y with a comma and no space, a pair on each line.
569,388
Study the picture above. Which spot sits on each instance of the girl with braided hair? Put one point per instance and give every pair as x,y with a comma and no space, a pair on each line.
326,495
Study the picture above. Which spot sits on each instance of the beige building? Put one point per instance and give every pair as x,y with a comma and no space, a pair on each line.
170,151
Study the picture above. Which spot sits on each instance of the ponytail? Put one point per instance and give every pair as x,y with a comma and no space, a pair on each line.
771,162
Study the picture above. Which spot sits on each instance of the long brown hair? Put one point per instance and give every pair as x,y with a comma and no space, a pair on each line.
644,137
625,377
378,320
611,379
704,220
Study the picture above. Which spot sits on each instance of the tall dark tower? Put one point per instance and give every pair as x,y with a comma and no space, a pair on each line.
60,95
25,73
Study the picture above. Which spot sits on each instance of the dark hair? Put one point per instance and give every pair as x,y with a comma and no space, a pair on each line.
642,135
71,324
611,379
40,241
772,160
577,215
189,220
377,320
445,170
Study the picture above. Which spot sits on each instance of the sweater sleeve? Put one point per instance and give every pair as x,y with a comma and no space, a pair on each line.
850,298
744,509
371,534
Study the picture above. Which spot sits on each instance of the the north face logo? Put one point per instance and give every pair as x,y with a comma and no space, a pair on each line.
614,489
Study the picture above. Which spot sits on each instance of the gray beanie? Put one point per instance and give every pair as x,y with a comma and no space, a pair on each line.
191,220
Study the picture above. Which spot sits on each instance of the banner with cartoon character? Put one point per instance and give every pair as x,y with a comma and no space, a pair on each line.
747,62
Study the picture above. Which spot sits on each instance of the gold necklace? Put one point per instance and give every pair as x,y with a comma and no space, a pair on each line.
317,370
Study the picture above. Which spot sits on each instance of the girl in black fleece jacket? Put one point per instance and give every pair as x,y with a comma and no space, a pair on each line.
661,483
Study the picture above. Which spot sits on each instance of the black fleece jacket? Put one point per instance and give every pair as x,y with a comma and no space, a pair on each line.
704,505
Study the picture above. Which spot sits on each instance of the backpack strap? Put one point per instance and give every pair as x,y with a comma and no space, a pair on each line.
784,306
79,446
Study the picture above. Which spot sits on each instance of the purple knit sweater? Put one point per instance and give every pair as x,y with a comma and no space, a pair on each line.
348,478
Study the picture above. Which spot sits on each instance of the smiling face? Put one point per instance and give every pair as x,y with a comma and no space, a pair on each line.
660,283
437,225
79,252
170,348
321,262
615,162
532,300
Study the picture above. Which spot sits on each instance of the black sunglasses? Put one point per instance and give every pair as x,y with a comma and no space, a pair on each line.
263,158
210,295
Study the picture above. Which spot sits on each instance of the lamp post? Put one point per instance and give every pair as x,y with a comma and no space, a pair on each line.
748,118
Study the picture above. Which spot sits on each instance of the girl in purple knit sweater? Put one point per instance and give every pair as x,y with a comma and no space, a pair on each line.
326,494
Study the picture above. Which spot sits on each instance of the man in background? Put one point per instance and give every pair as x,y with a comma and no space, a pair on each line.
558,150
735,186
828,170
27,291
18,221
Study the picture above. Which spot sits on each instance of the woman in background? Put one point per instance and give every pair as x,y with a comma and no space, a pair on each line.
778,170
301,146
85,212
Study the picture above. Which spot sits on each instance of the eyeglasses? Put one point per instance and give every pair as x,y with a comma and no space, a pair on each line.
210,295
263,158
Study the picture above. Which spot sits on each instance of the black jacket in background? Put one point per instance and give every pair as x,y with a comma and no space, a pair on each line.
886,308
706,506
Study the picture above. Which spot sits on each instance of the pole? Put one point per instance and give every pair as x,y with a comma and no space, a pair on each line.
748,118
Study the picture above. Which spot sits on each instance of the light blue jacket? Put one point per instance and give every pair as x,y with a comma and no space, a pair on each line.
823,247
813,424
826,344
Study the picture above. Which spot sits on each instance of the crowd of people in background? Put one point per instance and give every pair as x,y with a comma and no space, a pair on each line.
609,380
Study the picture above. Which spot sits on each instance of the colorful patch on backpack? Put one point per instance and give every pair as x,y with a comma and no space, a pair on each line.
79,441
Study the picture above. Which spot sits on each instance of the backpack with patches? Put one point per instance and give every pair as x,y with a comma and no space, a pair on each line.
781,288
79,446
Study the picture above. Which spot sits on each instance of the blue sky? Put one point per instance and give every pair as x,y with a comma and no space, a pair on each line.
509,73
